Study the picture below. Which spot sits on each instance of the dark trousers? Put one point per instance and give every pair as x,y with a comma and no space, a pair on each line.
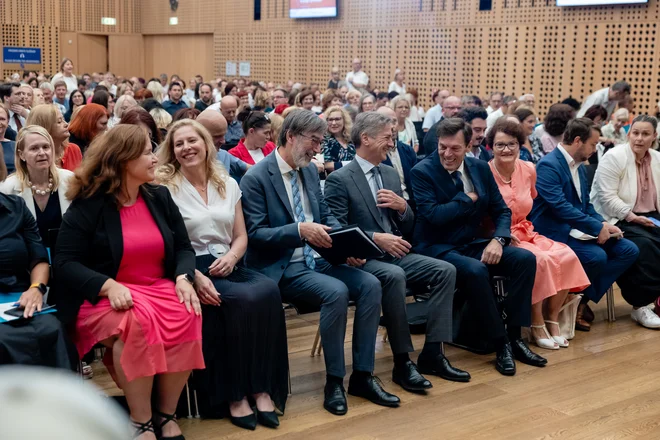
603,264
473,280
331,287
419,271
640,284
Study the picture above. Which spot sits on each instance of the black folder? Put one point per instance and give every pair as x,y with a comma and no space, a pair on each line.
349,241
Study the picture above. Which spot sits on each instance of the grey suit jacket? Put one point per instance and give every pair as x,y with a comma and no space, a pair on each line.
269,218
350,199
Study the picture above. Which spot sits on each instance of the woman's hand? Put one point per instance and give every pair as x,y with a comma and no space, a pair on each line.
187,296
119,296
31,300
223,266
644,221
206,290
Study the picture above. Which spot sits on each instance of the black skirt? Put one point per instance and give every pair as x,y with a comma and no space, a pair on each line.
244,342
640,284
37,341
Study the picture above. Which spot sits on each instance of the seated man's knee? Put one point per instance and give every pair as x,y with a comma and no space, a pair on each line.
475,269
336,295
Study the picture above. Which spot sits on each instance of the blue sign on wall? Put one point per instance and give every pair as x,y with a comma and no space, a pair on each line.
21,55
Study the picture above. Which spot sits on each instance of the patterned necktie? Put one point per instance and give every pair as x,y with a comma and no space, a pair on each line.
456,176
300,216
17,119
384,212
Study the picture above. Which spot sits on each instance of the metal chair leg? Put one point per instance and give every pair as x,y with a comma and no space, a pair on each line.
317,341
188,398
611,312
290,392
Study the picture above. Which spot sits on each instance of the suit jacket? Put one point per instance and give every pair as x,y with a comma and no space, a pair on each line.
240,151
13,186
614,190
89,246
447,218
351,201
269,218
557,208
408,161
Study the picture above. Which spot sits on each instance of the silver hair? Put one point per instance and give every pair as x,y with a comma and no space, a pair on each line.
46,85
301,122
371,123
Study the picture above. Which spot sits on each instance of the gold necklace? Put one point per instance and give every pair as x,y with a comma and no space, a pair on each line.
508,182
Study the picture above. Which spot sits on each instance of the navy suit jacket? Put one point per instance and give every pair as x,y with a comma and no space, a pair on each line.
558,209
447,218
269,218
408,161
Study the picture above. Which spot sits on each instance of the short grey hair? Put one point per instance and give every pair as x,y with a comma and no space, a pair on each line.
300,122
46,86
371,123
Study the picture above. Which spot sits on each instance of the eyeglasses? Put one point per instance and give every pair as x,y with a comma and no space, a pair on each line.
501,146
334,120
315,140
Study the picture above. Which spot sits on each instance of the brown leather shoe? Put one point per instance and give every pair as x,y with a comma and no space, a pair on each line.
588,314
580,322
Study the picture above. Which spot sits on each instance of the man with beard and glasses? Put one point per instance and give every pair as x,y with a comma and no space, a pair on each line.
205,97
563,212
476,117
284,210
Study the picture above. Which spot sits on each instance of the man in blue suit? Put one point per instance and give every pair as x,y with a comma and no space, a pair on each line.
563,212
284,211
457,198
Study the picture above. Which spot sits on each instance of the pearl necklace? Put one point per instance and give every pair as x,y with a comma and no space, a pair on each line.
508,182
42,192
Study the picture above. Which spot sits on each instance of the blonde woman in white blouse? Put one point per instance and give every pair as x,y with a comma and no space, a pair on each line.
405,127
244,333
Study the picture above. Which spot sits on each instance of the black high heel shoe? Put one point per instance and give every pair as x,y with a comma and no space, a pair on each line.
268,419
141,428
167,418
245,422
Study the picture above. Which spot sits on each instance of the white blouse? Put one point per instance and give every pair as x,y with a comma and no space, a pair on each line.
208,224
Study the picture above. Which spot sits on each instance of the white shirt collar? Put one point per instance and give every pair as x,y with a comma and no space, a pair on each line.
364,164
568,157
284,167
461,169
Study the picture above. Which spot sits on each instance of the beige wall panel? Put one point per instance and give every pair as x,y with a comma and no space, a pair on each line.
126,55
185,55
69,50
92,53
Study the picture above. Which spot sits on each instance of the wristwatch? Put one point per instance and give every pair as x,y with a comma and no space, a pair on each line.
500,240
187,277
41,286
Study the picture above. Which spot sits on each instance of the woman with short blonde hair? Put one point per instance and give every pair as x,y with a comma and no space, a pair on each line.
405,127
336,146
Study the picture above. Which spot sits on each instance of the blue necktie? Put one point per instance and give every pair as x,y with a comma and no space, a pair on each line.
456,176
300,215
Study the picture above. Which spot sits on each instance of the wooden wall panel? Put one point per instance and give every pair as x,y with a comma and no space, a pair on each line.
92,53
126,55
185,55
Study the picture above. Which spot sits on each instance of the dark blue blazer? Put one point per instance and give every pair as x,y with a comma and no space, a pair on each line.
269,218
408,161
447,218
558,209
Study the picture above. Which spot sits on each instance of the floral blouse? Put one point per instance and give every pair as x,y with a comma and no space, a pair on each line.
334,152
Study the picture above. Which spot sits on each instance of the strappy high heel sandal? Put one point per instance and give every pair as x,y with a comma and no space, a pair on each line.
167,418
547,343
141,428
560,340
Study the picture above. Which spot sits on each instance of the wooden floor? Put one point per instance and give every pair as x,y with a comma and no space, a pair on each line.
604,386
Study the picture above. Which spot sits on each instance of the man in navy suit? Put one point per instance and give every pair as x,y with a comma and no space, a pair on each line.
476,117
284,211
563,212
457,197
402,158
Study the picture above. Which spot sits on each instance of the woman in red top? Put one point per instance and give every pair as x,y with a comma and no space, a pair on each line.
67,155
256,144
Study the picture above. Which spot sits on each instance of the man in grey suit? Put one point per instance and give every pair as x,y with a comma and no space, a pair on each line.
368,194
284,211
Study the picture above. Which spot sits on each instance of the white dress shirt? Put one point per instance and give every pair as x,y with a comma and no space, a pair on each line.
394,87
601,97
209,224
285,169
395,158
493,117
359,77
432,116
573,167
468,187
12,120
368,169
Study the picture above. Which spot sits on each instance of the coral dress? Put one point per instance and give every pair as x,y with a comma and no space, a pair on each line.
557,266
159,334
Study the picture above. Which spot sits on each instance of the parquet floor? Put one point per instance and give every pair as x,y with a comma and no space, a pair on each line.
604,386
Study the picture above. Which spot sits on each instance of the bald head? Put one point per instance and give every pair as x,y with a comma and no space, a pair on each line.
451,106
228,106
216,124
387,112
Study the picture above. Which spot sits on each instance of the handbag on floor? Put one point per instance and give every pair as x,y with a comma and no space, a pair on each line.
567,316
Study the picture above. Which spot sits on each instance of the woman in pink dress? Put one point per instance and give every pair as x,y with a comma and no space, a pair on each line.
558,269
124,266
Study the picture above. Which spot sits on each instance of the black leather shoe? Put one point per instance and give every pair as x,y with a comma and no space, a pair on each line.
523,354
371,388
335,399
245,422
504,362
440,366
268,419
409,378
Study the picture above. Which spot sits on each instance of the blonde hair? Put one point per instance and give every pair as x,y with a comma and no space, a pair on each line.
276,122
156,90
397,99
161,117
118,112
46,116
348,122
22,172
169,171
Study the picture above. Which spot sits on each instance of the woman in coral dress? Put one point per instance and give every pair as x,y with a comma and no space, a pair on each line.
558,269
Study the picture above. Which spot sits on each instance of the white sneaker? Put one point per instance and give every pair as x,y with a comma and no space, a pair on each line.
646,317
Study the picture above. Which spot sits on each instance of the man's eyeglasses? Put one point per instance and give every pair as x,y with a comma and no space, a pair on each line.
501,146
315,140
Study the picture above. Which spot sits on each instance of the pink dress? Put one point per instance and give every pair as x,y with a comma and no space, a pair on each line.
159,334
557,266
